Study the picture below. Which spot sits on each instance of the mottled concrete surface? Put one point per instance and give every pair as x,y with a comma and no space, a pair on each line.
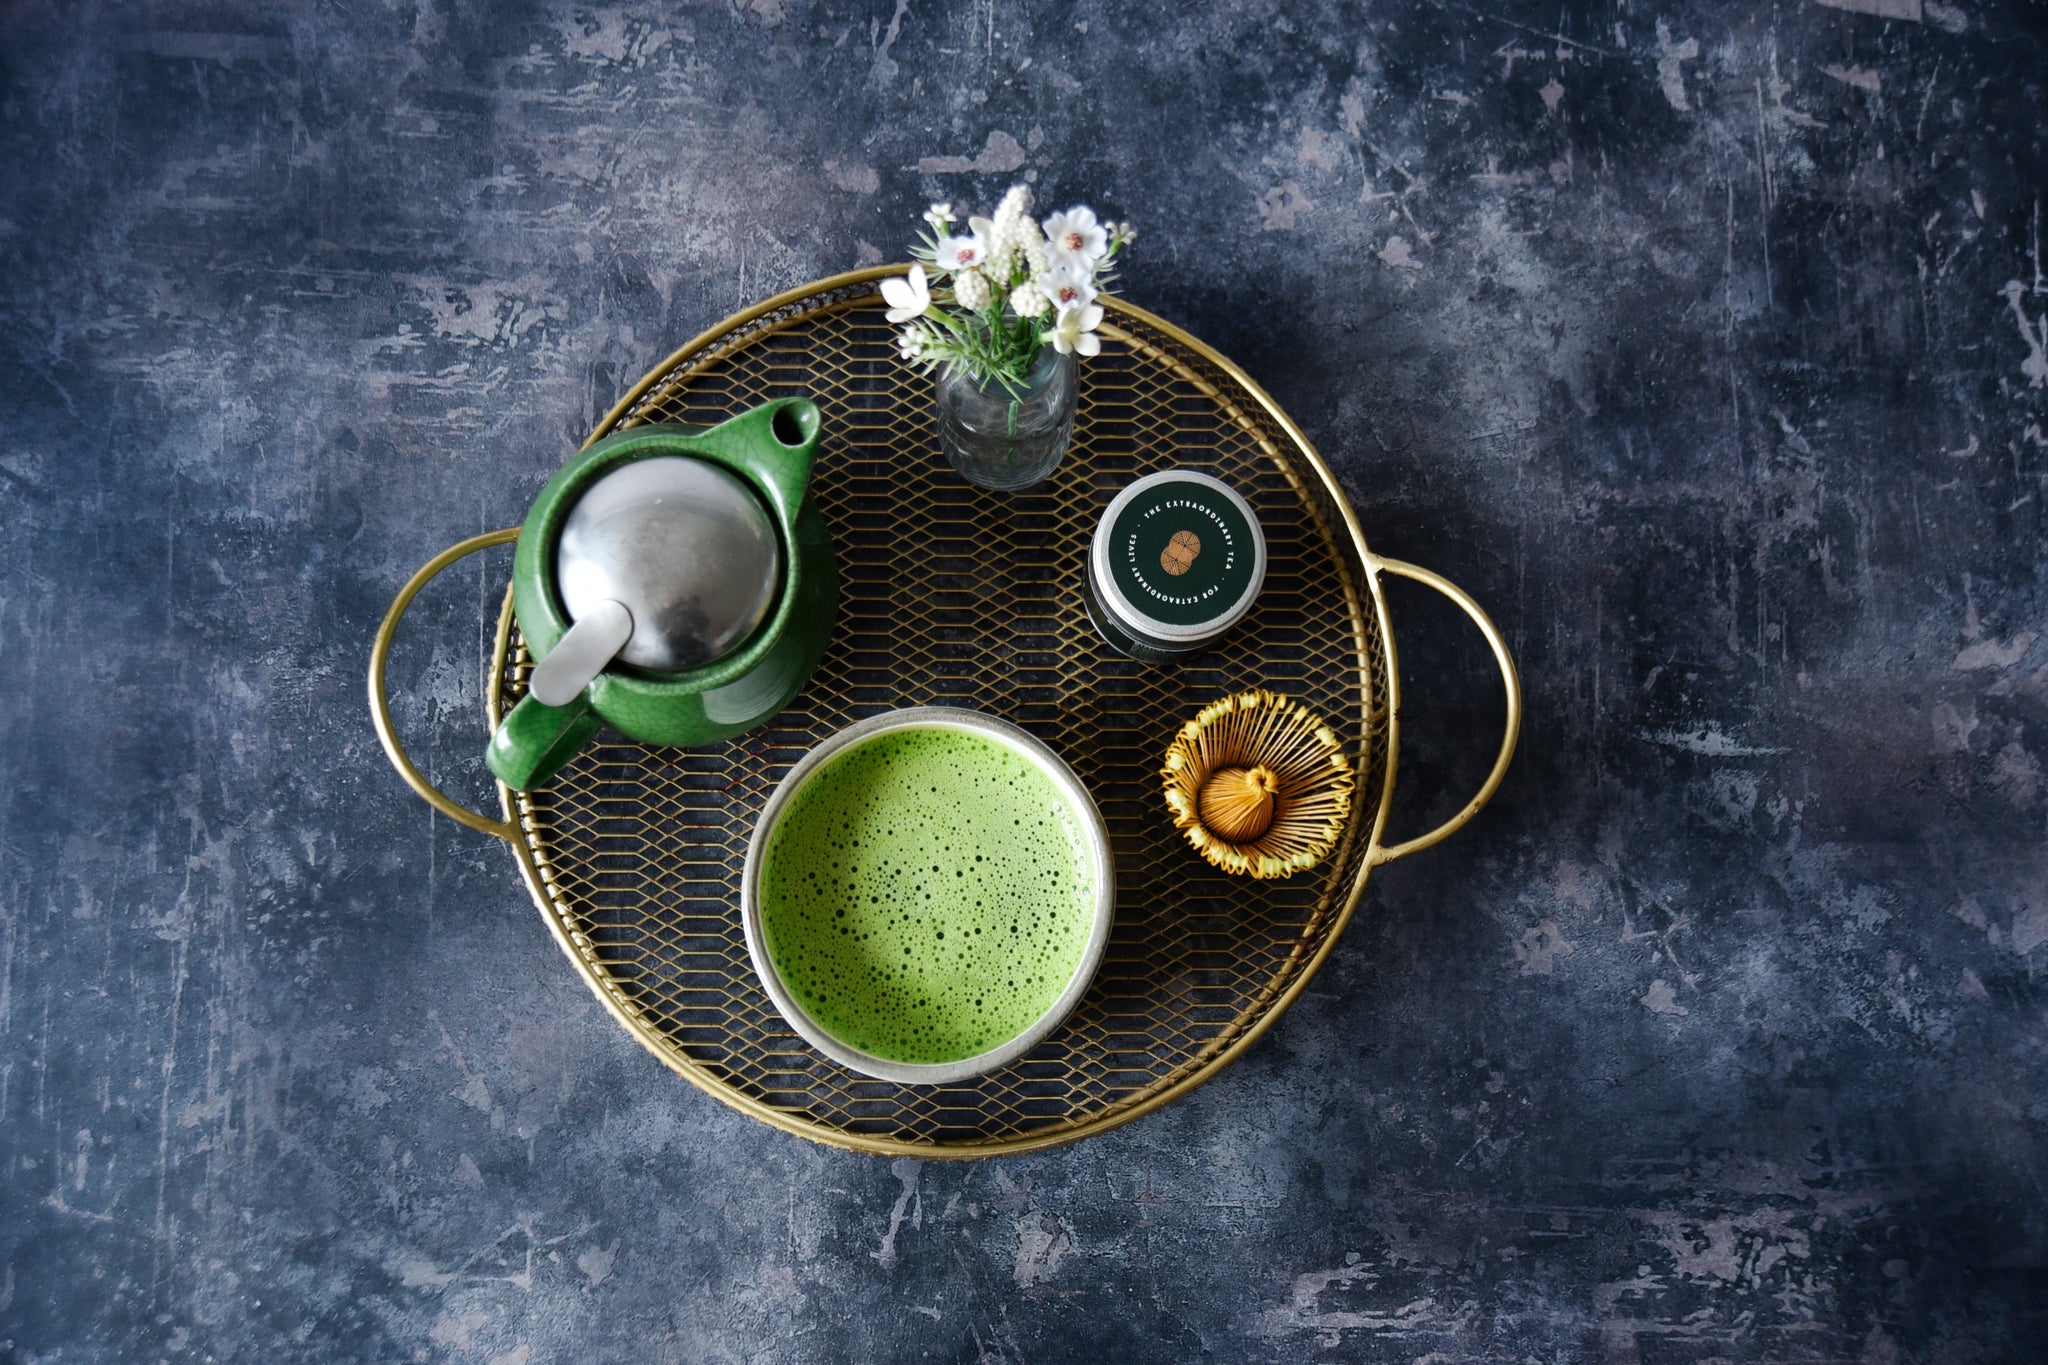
1708,345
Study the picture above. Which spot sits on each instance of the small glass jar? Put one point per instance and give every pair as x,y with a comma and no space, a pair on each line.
1177,560
1004,440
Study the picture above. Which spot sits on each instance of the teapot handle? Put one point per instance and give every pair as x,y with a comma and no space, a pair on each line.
380,711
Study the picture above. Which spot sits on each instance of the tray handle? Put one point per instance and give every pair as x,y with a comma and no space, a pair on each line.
1510,682
380,711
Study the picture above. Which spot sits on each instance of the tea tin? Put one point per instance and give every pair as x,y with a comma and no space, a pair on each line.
1177,560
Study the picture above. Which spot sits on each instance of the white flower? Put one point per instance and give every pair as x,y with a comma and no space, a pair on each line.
1010,230
940,216
1069,285
970,287
910,343
1015,207
909,297
1036,260
963,253
1076,238
1074,333
1123,233
992,261
1027,300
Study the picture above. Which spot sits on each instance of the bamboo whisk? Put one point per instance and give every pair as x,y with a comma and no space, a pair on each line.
1258,784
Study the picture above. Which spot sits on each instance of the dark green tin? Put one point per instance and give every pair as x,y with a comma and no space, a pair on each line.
1177,560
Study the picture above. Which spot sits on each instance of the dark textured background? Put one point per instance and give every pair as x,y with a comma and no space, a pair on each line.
1703,343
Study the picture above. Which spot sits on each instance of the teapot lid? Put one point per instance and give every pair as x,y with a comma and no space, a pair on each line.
685,546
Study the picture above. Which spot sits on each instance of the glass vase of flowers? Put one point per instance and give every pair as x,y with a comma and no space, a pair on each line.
999,312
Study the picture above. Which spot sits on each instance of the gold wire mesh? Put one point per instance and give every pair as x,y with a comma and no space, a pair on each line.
953,596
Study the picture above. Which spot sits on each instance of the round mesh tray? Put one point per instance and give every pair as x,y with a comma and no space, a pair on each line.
953,596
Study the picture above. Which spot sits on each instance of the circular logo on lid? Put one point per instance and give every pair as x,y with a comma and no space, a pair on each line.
1179,555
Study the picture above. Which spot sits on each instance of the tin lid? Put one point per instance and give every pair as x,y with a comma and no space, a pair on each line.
1178,557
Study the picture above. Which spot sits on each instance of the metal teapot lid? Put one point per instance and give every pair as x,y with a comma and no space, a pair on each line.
664,563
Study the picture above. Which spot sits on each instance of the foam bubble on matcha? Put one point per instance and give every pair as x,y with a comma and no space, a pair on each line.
927,895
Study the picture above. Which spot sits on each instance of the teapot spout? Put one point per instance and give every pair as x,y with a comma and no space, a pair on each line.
773,445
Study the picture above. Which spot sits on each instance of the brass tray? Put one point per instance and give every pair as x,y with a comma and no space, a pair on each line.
953,596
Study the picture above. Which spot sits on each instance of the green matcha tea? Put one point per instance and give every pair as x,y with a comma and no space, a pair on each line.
927,895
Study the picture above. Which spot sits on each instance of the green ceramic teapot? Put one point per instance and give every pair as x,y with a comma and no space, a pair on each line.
673,582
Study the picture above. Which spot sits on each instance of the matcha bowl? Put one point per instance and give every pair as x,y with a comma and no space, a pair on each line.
927,894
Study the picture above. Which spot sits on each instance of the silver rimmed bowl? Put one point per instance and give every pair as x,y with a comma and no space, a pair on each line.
1099,913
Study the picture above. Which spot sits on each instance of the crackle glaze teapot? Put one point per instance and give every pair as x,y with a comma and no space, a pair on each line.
670,581
673,582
